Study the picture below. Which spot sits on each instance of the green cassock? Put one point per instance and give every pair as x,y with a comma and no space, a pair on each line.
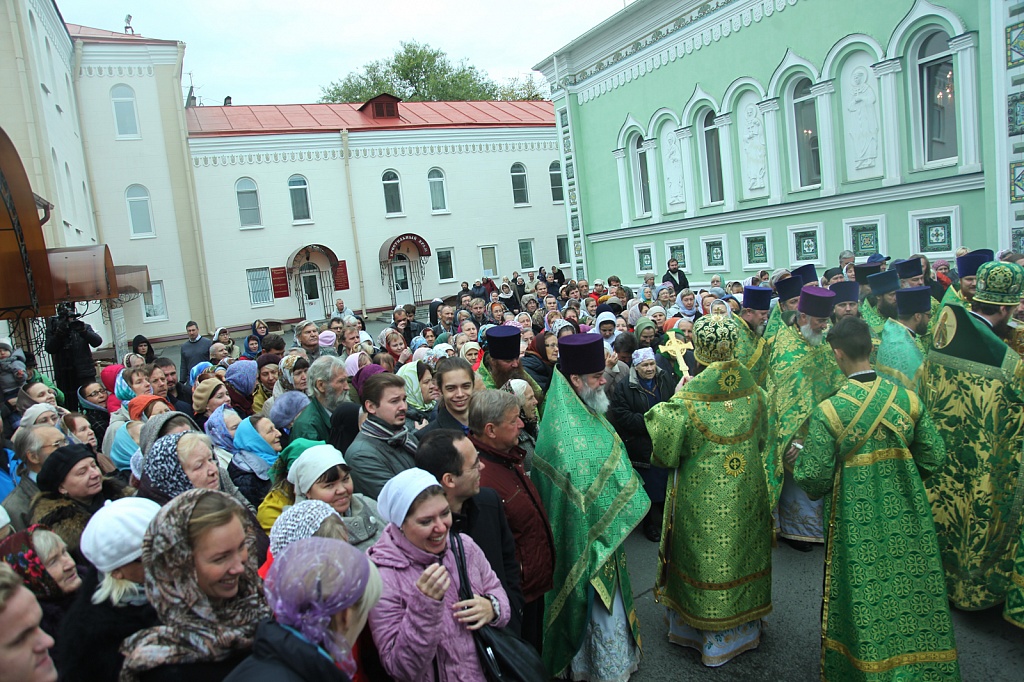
594,499
752,350
952,297
714,566
885,614
974,389
1013,611
870,314
900,356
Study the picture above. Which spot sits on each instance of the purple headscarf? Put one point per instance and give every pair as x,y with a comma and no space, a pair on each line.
363,374
242,376
217,430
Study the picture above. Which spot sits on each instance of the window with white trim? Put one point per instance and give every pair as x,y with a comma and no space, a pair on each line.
714,188
555,173
438,191
563,250
140,212
126,120
938,108
261,291
526,254
520,188
154,304
489,260
805,135
298,190
392,192
641,179
445,264
248,196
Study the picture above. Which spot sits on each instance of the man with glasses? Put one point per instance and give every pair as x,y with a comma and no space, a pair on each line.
477,512
32,445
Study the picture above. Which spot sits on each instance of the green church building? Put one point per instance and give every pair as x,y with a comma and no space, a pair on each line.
749,135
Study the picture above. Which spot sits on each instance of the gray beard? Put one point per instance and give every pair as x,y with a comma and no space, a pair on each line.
594,398
332,400
813,338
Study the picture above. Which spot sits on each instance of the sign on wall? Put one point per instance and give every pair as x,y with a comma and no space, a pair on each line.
279,282
341,276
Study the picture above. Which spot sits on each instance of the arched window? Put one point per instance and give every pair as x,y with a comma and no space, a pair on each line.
520,189
71,192
438,192
641,179
248,196
805,134
392,192
126,120
555,173
298,189
712,148
140,213
938,109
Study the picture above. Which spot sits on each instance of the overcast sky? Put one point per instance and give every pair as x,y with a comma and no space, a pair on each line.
274,52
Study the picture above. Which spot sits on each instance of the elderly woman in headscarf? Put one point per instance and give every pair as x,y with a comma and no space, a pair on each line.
200,559
221,428
540,358
508,298
259,445
320,591
527,400
420,391
421,618
471,351
240,380
195,374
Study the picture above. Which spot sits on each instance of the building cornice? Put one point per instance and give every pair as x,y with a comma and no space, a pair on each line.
916,190
104,59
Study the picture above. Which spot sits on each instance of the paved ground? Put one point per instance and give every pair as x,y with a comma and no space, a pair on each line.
991,650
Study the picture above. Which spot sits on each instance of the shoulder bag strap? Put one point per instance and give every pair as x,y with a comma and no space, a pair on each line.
465,589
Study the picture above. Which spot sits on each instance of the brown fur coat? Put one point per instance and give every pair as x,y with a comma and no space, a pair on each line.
67,518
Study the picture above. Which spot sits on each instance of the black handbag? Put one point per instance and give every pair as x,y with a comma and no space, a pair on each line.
504,656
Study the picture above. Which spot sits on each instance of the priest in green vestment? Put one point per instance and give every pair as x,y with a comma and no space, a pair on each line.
885,615
785,309
802,372
911,272
901,351
714,563
880,305
751,348
967,268
847,300
974,389
501,362
594,499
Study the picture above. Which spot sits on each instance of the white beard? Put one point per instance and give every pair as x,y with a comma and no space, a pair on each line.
594,398
813,338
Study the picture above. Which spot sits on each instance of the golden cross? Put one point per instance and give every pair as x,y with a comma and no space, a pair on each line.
677,347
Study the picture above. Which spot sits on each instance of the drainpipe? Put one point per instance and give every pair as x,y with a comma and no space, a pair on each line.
352,219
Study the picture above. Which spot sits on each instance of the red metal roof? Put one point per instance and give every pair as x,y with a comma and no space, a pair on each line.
273,119
100,35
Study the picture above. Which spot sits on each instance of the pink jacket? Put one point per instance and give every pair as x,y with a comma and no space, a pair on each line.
410,629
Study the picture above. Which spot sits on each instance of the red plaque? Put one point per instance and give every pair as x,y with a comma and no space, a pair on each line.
279,282
341,276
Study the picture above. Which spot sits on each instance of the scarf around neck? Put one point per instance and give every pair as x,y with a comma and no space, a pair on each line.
398,437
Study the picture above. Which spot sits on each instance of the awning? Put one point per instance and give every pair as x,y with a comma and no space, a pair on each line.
391,246
132,279
302,255
82,273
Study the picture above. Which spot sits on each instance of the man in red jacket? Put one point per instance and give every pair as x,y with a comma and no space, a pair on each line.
494,426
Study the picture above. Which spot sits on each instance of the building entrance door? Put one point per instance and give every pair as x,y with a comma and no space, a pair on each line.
400,275
312,300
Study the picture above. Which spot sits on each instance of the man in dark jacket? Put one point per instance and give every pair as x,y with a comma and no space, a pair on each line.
196,349
70,341
32,445
456,381
477,512
494,426
675,276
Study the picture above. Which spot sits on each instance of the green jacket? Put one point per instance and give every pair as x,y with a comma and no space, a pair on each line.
313,423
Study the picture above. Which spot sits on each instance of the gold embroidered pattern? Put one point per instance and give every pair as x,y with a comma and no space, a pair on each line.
735,464
947,656
878,456
729,380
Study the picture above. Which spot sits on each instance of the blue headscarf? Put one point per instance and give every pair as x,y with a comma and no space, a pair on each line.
122,390
217,430
123,449
248,438
196,371
242,376
251,354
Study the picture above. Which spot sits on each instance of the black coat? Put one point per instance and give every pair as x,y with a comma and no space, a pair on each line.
536,368
205,671
252,487
280,656
483,519
678,282
443,420
626,413
91,635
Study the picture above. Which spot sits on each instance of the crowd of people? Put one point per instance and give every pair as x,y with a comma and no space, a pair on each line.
340,506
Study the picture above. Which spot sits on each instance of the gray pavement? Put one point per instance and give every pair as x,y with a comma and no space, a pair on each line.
990,649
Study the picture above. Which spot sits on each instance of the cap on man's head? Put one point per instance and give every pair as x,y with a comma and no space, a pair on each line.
832,272
862,271
967,265
884,282
909,268
816,301
1000,283
503,342
807,273
846,292
877,258
913,300
598,282
788,288
581,354
757,298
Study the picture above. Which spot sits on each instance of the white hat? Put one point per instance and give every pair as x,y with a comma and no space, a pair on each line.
398,493
113,536
311,465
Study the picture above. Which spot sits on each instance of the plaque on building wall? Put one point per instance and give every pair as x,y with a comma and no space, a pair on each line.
806,245
864,239
714,253
644,259
1015,45
678,251
279,282
1017,181
757,250
1015,114
935,234
341,276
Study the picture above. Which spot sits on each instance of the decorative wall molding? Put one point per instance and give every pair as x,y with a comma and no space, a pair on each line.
115,71
51,22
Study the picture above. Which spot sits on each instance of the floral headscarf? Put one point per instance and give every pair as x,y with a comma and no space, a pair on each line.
163,468
194,373
18,552
193,628
287,366
413,394
217,430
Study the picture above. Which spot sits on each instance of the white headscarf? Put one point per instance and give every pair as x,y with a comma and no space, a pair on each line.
397,495
311,465
35,412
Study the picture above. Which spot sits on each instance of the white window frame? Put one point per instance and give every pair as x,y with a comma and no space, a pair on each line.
850,223
149,208
917,125
533,254
497,262
118,135
444,191
704,253
702,146
309,204
400,213
253,303
238,205
794,144
818,228
568,249
555,169
685,243
451,253
512,173
755,267
637,248
914,218
155,285
636,148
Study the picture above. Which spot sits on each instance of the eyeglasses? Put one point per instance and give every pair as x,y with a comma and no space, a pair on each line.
58,443
98,391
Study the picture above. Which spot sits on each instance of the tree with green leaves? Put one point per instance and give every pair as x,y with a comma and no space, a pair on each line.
420,73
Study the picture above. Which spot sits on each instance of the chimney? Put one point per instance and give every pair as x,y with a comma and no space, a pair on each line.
227,101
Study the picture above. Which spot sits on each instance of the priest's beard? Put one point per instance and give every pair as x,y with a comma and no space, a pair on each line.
814,338
886,309
594,398
759,329
1002,329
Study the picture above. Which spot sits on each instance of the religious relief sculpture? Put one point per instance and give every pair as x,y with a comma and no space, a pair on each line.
864,122
673,163
755,151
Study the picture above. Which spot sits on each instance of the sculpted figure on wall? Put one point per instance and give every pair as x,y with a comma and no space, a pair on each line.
863,131
673,164
754,149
